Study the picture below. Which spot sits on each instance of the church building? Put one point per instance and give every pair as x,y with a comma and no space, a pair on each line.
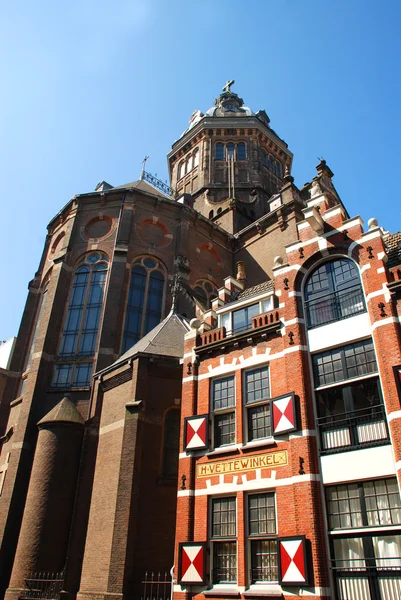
207,375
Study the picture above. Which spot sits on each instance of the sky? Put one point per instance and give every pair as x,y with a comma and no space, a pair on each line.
89,87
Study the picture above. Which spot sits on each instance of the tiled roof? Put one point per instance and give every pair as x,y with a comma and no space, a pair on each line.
166,339
393,243
255,290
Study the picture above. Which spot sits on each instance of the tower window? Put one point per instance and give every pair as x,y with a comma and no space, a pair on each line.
219,151
145,300
241,151
171,442
230,151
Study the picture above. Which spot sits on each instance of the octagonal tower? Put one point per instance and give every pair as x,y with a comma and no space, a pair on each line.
230,161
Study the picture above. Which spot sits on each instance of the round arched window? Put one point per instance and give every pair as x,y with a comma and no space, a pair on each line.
333,291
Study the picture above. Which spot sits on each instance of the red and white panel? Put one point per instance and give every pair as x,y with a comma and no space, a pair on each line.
293,569
196,434
284,416
192,563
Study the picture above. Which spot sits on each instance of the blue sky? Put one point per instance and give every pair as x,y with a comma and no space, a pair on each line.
91,86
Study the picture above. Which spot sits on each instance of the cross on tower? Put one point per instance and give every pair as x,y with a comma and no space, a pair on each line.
228,85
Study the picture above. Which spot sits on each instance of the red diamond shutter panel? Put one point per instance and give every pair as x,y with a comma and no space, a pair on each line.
284,414
292,558
192,563
196,432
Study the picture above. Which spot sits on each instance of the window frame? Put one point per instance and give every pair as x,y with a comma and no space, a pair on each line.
221,412
219,540
248,406
225,317
264,536
127,335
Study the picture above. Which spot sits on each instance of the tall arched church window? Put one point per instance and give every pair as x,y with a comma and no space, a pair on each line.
333,291
219,151
145,299
241,151
80,332
171,441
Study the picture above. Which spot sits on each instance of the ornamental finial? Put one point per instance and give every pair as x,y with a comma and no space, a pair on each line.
228,85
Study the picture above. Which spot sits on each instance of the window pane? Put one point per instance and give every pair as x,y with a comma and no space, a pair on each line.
136,296
62,376
264,560
224,562
259,422
387,549
82,374
223,517
349,553
224,429
154,300
241,151
261,514
195,159
257,386
383,504
223,393
230,150
219,151
343,506
171,443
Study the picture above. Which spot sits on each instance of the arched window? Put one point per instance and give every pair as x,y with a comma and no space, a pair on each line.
277,168
195,159
230,151
333,292
219,151
205,292
211,214
241,151
171,442
182,169
264,158
271,163
81,324
145,299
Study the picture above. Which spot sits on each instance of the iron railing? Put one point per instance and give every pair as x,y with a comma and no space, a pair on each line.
156,585
359,428
44,585
158,184
264,574
335,307
224,575
365,579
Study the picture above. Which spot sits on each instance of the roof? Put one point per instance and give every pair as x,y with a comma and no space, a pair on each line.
64,412
143,186
393,243
255,290
166,339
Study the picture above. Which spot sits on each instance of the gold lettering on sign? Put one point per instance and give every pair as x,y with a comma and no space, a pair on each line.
247,463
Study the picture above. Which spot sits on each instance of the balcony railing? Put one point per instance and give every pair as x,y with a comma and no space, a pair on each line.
270,318
361,581
356,429
335,307
46,586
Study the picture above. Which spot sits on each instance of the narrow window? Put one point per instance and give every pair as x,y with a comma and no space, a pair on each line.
182,169
241,151
230,151
224,545
257,395
145,300
223,406
242,319
264,158
195,159
262,538
219,151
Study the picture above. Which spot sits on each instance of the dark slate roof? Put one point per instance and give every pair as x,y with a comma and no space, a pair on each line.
393,243
166,339
144,186
64,412
255,290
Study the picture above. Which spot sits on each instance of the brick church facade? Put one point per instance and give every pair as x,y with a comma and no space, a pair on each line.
227,350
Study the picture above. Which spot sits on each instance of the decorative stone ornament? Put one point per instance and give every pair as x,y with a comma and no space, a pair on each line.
196,432
284,414
191,567
292,561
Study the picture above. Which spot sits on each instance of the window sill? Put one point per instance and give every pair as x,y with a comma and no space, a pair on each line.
272,590
270,441
222,590
70,389
223,450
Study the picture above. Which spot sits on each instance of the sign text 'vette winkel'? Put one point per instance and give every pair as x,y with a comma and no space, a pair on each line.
245,463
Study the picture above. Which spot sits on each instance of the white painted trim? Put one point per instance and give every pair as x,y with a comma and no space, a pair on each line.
384,291
288,268
296,245
293,293
241,483
294,321
396,414
385,322
381,270
364,268
358,530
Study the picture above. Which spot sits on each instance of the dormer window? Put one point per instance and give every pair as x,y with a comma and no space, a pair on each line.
236,321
